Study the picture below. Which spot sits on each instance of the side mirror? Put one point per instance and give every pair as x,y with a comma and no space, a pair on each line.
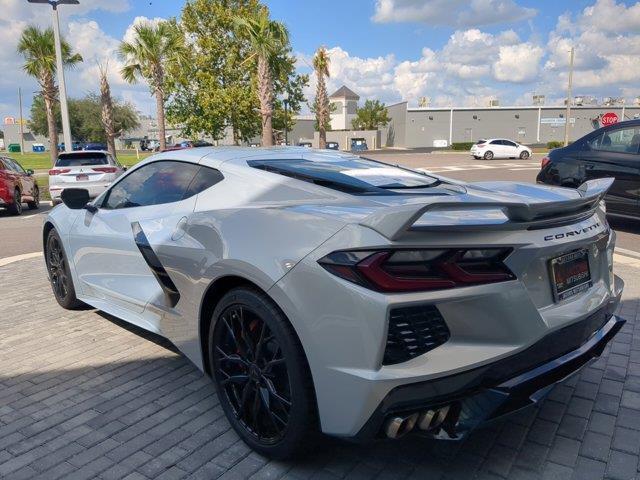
30,172
75,198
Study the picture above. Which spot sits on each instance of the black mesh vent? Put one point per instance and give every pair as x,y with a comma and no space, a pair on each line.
414,331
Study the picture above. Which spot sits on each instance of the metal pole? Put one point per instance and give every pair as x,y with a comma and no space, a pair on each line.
568,113
64,111
538,132
286,130
21,122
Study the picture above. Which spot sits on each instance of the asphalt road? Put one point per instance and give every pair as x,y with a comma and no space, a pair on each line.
22,235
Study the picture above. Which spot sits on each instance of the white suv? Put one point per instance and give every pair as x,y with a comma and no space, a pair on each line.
499,148
94,170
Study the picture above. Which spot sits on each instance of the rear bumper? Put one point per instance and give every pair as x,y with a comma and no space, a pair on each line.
94,189
503,387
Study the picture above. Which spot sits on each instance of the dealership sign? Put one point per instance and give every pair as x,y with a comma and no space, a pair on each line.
555,121
609,118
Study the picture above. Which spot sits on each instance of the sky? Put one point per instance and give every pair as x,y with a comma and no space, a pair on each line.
453,52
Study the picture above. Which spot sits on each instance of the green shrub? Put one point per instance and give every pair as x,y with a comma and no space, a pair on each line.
554,144
461,145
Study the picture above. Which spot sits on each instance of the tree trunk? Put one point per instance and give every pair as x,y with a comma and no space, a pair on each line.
322,108
160,115
265,95
48,92
107,113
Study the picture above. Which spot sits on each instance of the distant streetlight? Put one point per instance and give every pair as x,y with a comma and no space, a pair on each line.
64,111
285,100
569,94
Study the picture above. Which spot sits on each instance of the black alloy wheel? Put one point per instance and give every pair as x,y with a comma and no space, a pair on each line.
36,199
260,373
16,207
59,275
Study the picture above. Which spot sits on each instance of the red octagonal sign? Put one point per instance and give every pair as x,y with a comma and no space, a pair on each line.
609,118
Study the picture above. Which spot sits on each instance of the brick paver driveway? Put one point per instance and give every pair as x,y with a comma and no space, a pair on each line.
83,395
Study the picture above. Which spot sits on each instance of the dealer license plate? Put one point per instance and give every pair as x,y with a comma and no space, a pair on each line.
570,274
83,177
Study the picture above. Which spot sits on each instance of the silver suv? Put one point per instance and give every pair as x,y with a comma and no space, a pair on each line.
94,170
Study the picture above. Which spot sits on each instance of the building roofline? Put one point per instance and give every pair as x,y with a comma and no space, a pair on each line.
523,107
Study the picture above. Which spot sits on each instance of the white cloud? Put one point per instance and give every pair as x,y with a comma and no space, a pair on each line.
457,13
518,63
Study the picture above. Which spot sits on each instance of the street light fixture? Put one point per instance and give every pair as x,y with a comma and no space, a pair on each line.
62,89
285,100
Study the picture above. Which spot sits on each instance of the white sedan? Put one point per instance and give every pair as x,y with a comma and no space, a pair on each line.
499,148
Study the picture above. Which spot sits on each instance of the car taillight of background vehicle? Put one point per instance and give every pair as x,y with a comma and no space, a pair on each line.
419,270
544,162
105,169
58,171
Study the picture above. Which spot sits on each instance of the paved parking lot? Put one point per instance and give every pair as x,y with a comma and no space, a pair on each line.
83,395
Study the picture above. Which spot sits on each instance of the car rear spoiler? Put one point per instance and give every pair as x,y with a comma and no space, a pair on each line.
394,222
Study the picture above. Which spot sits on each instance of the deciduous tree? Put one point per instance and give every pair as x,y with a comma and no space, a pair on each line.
371,116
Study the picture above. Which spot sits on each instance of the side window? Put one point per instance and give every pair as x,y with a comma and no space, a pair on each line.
205,177
496,142
623,140
11,165
508,143
153,184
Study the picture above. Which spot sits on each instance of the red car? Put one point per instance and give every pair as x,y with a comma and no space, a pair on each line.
17,186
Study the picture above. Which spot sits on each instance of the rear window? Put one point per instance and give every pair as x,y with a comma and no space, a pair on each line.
348,174
81,159
480,142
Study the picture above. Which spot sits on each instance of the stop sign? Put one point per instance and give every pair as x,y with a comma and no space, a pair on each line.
609,118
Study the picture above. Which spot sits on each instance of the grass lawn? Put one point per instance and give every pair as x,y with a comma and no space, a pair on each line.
42,161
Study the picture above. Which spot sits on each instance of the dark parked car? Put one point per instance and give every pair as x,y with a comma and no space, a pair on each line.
611,151
359,145
95,146
333,146
17,186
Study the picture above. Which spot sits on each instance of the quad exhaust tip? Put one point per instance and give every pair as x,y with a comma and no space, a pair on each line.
397,427
429,420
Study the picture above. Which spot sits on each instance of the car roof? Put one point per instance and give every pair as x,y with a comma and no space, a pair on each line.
80,152
216,156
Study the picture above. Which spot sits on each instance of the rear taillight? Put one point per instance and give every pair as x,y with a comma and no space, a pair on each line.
418,270
544,162
58,171
105,169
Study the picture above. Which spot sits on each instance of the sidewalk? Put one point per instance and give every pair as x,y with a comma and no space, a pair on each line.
83,395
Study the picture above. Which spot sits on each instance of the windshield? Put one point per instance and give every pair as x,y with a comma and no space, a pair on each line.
81,159
348,174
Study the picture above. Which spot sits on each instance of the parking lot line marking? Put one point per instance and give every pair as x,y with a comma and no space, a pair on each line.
17,258
624,260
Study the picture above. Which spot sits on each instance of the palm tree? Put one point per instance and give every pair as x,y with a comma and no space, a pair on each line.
321,62
267,38
38,49
107,110
152,49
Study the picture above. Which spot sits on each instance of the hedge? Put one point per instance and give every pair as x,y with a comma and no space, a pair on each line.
554,144
462,145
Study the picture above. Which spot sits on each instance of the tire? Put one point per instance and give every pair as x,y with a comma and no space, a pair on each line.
16,207
36,199
59,273
524,155
488,155
269,403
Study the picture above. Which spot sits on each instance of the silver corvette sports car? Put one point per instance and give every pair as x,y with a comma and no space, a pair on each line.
327,292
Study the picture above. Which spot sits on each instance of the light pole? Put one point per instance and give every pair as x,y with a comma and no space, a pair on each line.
568,113
285,100
64,111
